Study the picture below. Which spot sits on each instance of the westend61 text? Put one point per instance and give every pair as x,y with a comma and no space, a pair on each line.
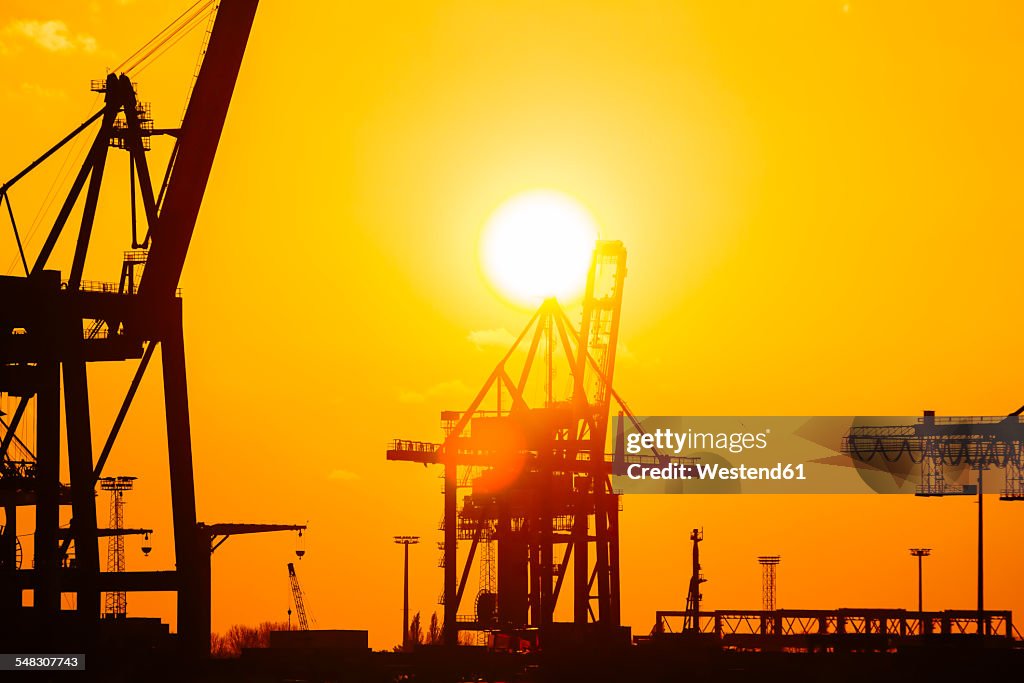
780,472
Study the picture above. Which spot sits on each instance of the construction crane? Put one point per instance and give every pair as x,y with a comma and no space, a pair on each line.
54,322
300,606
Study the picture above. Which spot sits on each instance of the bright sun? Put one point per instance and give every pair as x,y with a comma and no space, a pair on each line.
538,244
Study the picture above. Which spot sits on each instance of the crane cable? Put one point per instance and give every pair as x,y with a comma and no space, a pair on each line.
189,15
181,34
177,29
183,30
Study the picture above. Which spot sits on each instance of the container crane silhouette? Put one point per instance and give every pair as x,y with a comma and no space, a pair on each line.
53,323
936,443
535,471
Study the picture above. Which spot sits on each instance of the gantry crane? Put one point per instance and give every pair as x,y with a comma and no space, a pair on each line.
936,443
300,605
54,322
535,467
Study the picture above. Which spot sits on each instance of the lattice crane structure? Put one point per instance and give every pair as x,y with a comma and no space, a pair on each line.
938,443
526,467
297,596
116,602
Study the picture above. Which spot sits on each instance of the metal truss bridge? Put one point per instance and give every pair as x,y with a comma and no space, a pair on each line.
878,630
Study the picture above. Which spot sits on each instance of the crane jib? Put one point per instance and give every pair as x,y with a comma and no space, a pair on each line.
197,147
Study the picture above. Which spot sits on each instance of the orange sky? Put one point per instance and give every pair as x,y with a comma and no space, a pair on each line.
820,202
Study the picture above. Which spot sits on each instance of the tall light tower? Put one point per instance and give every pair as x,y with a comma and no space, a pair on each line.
406,541
115,605
768,564
920,554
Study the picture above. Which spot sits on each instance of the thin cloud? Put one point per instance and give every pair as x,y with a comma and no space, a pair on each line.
52,35
342,475
499,337
447,390
407,396
35,91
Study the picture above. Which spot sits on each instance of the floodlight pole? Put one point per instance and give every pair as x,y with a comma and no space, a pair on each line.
406,541
920,554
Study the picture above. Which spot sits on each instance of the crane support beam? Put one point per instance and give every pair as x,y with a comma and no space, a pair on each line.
233,529
83,487
50,152
104,533
197,146
70,581
46,594
193,593
11,434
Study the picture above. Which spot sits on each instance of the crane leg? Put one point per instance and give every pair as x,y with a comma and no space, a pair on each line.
87,559
192,567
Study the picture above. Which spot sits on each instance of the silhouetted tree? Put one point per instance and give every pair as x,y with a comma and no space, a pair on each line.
434,631
242,636
415,631
219,646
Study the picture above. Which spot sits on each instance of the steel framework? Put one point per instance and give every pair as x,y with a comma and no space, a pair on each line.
536,469
300,603
841,629
54,323
768,563
936,443
116,602
487,596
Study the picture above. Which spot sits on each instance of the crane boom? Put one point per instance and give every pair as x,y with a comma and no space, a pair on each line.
196,148
300,607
